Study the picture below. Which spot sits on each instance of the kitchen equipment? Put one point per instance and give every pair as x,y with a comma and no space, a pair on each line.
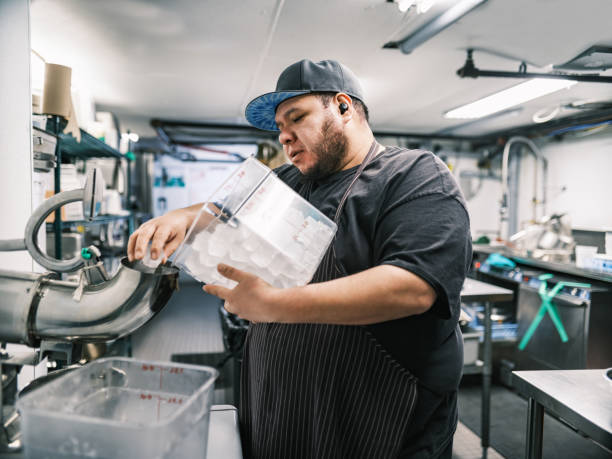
550,239
584,255
585,314
72,244
120,408
256,223
111,203
471,339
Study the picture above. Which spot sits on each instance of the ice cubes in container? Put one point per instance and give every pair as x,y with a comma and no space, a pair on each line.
256,223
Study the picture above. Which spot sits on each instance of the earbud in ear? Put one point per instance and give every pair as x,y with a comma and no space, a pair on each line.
343,108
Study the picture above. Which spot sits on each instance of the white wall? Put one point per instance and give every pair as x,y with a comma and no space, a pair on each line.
15,129
579,181
482,195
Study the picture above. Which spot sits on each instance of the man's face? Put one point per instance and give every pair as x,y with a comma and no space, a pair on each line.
312,137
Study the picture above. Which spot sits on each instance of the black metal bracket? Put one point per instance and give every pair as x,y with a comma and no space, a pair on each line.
469,70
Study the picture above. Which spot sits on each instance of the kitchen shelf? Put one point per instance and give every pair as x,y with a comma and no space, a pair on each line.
88,147
100,220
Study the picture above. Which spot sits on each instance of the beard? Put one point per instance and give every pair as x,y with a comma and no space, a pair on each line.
330,151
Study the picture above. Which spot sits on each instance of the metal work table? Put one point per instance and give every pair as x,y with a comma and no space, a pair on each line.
565,268
223,433
582,398
472,291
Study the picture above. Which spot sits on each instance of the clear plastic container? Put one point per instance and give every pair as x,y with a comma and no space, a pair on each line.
256,223
120,408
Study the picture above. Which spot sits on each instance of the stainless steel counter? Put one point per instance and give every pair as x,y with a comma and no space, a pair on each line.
565,268
224,433
582,398
474,290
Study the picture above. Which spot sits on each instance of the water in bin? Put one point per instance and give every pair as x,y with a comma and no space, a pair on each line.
256,223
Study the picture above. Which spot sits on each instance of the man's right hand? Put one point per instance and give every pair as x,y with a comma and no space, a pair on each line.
165,233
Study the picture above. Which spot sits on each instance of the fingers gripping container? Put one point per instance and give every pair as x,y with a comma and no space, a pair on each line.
120,408
256,223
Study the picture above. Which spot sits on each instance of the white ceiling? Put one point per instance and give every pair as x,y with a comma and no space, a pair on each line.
204,60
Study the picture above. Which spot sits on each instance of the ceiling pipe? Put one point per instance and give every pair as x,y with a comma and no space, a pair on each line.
469,70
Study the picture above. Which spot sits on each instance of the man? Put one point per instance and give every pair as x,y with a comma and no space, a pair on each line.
365,361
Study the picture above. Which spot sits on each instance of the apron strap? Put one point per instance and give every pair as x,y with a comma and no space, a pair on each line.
328,267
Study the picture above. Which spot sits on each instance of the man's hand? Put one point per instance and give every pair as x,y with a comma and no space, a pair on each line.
252,299
165,232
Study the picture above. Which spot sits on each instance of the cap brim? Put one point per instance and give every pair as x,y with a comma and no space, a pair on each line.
261,111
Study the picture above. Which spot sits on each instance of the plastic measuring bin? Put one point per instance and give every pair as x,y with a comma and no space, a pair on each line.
120,408
256,223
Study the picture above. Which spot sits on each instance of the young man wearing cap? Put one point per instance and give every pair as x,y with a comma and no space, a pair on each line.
365,361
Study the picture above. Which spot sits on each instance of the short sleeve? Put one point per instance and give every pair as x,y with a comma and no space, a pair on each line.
428,235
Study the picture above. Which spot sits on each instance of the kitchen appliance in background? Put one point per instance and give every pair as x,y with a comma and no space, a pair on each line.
550,239
72,244
585,314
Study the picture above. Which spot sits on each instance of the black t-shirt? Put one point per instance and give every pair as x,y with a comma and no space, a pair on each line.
405,210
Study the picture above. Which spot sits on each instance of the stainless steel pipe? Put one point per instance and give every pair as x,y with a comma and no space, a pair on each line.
35,307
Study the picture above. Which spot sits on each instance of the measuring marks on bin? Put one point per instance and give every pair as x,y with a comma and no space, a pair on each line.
171,400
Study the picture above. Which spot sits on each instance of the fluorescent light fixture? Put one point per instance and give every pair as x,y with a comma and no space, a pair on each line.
436,25
404,5
424,5
510,97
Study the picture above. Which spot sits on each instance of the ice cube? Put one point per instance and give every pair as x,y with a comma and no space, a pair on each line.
208,260
216,248
238,253
148,261
275,267
251,243
244,233
200,240
262,257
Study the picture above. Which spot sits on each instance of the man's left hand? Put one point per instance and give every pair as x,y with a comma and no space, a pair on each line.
252,299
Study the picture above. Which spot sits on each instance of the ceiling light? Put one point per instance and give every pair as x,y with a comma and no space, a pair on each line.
440,22
510,97
424,5
404,5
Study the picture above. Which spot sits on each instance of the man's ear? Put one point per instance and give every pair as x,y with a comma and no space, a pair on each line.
344,103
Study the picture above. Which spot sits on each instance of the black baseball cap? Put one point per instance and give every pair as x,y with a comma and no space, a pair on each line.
303,77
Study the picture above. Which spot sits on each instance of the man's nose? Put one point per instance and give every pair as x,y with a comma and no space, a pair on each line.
285,137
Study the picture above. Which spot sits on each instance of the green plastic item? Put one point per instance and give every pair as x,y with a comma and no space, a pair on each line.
85,253
548,307
130,156
499,261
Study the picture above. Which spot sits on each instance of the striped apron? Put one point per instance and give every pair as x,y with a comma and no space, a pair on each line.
323,391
